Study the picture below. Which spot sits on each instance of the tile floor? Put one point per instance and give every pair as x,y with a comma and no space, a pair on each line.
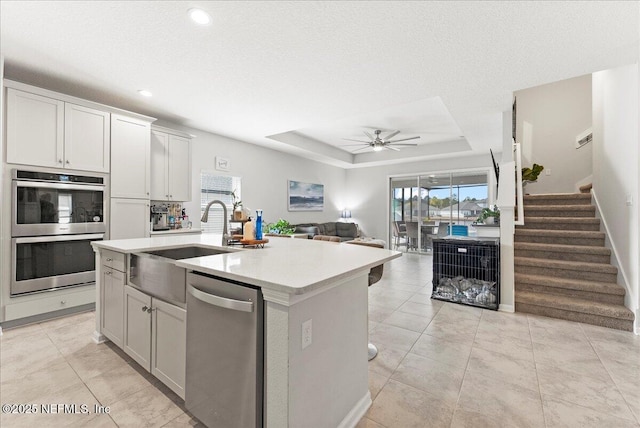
439,365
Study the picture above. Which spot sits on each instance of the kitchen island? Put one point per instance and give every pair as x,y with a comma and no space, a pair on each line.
319,380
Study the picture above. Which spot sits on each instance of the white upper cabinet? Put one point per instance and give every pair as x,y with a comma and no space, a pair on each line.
170,166
130,138
86,138
44,131
35,129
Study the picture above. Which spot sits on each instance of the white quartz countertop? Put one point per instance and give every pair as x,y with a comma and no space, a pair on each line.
294,266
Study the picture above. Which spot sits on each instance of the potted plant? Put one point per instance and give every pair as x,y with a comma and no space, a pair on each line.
281,227
237,206
530,175
489,216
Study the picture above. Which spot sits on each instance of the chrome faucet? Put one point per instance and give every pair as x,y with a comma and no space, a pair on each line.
205,218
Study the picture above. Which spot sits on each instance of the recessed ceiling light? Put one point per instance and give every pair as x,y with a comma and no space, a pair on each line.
199,16
145,93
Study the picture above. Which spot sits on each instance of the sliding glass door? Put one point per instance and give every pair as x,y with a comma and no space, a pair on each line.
423,207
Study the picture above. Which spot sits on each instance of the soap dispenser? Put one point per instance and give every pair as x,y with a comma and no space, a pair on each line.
249,231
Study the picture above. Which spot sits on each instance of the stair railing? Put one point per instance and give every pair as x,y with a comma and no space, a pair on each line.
519,188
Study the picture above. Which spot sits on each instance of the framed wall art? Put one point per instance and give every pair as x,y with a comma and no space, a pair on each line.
305,196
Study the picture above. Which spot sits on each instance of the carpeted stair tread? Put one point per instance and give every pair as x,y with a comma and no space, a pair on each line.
558,198
586,188
566,265
575,305
560,248
559,211
561,223
591,234
571,284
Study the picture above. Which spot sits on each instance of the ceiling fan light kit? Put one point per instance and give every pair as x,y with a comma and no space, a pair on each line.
378,143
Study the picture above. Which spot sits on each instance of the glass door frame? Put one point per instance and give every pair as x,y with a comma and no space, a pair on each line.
491,196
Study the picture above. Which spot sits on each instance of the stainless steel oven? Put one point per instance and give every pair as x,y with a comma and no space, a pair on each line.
56,204
44,263
55,217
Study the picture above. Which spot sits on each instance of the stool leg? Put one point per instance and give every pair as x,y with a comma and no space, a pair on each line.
373,351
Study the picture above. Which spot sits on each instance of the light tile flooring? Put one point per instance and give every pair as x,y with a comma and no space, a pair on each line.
439,365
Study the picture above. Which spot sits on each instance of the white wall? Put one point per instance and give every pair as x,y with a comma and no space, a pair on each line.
557,113
615,170
264,174
368,188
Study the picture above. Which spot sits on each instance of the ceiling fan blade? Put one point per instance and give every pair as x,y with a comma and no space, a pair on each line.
351,145
405,145
391,148
368,134
393,134
359,141
404,139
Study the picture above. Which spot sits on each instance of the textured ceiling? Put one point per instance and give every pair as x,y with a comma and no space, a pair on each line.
299,76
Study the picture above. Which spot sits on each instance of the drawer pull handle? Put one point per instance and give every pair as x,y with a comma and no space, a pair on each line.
145,309
109,260
108,273
63,302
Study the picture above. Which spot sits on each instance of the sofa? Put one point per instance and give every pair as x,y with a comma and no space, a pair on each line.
345,231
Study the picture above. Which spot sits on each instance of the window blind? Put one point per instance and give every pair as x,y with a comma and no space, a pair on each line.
218,187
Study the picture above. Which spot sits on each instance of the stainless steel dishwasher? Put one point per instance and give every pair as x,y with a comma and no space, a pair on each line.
224,379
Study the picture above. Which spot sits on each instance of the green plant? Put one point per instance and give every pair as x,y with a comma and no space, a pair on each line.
236,201
488,212
531,174
282,227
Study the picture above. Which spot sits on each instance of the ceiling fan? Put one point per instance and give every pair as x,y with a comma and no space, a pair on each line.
378,143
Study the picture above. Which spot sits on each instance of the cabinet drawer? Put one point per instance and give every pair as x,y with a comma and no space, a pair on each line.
114,260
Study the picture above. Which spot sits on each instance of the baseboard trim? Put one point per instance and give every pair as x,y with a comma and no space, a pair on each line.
615,261
506,308
357,412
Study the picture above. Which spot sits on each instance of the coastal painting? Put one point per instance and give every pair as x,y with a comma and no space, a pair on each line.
305,196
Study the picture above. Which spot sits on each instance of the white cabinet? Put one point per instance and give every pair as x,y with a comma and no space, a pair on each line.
129,213
47,132
112,295
129,218
155,337
169,345
137,326
170,166
130,139
86,138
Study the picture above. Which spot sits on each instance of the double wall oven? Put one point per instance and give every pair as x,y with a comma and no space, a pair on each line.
55,217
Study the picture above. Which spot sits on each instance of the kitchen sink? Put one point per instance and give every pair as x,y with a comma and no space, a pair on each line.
186,252
156,273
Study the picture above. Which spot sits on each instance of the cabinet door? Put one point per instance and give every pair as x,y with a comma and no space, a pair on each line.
179,168
168,345
129,218
159,166
86,138
35,129
130,140
113,304
137,326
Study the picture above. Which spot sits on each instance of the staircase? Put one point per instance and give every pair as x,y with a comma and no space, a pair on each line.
562,269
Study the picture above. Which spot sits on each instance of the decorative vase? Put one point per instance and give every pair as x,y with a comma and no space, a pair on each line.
237,214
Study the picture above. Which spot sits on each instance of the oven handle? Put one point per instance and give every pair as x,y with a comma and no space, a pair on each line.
55,238
63,186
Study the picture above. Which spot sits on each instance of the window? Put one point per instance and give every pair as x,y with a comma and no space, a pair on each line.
222,188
